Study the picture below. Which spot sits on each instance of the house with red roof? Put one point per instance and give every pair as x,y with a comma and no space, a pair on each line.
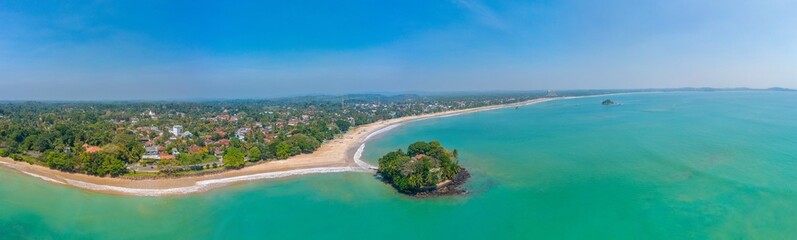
91,149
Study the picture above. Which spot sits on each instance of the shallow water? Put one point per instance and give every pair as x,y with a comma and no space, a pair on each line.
660,166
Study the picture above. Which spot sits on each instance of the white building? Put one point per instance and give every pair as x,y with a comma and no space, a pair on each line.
151,153
177,130
241,133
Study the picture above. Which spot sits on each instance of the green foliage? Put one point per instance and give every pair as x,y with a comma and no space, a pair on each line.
169,165
100,164
209,158
266,151
59,161
187,159
282,150
424,166
233,158
343,125
114,167
236,143
304,143
418,148
254,154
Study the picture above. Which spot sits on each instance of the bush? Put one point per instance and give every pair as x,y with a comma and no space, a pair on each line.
233,158
254,154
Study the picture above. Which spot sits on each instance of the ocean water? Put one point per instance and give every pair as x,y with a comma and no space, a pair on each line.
706,165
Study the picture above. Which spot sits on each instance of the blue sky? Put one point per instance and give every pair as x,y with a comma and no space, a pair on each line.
92,50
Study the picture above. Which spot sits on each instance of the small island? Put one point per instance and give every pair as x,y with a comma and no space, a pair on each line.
426,169
608,102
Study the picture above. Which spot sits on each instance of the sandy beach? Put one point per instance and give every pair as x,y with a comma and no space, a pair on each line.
341,154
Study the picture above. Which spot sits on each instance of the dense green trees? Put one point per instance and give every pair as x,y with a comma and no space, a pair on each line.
60,161
343,125
418,148
306,144
254,154
423,166
100,164
283,150
233,158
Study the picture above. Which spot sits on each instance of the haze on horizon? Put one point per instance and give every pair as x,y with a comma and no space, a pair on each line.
90,50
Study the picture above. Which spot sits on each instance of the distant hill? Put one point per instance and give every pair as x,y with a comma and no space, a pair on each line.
780,89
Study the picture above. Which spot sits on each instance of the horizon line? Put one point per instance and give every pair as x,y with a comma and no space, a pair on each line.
387,94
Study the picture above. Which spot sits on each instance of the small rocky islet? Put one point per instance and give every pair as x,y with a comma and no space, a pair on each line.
608,102
426,169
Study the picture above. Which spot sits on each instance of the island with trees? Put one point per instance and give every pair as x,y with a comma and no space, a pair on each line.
425,169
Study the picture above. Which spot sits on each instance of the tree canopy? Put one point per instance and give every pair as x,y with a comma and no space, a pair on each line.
254,154
233,158
423,166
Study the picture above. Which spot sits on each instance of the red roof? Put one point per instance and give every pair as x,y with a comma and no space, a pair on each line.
225,141
166,156
93,149
193,149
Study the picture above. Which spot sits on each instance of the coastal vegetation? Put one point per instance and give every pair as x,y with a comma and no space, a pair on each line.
127,138
233,158
118,138
426,168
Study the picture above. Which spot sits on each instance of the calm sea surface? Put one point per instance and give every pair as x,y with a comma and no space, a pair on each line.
660,166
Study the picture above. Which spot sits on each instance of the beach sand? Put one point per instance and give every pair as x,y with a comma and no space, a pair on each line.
337,155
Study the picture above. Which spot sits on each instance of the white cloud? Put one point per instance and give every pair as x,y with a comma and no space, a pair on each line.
483,13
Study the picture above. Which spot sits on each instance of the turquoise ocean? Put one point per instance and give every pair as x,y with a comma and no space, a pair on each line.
677,165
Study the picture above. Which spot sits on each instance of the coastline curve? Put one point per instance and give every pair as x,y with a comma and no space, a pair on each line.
329,159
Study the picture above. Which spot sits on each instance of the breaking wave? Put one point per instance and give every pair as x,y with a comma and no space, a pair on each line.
208,184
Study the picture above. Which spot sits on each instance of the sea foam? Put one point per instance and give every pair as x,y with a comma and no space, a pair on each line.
208,184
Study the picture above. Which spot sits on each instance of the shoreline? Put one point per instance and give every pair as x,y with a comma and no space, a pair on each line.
341,154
